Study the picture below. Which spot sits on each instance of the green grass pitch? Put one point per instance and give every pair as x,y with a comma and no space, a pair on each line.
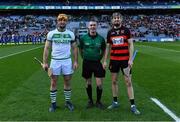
24,87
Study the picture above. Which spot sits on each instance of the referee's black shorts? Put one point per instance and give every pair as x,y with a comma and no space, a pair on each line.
90,67
116,66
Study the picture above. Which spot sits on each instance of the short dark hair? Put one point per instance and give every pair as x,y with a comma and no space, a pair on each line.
93,19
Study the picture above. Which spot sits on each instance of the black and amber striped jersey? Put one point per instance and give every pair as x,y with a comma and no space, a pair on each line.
118,39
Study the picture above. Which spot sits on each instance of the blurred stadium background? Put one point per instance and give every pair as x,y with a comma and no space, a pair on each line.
30,20
24,86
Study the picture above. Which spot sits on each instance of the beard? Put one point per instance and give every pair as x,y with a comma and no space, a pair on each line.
117,24
61,28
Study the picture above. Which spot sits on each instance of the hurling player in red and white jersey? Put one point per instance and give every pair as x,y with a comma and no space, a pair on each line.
120,46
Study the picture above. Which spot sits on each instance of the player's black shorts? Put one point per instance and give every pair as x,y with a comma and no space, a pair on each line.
90,67
115,66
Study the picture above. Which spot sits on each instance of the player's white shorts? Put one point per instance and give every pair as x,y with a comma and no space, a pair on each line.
61,67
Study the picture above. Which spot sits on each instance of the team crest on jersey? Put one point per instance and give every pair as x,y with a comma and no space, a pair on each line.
122,31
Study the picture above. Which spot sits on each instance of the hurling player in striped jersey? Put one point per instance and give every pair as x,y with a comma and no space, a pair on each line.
121,48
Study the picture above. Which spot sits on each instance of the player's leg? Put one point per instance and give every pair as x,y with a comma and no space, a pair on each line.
115,90
67,72
53,93
130,91
67,87
67,92
56,68
114,68
127,77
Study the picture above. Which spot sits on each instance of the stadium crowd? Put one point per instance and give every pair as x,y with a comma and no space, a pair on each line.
33,29
24,29
153,25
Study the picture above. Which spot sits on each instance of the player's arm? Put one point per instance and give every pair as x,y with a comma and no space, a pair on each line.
75,54
46,54
108,46
131,50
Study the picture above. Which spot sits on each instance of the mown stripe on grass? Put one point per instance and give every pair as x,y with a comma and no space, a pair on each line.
171,55
16,69
20,52
159,48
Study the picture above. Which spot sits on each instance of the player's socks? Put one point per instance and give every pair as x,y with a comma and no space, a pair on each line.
115,99
132,101
53,96
67,94
68,104
53,100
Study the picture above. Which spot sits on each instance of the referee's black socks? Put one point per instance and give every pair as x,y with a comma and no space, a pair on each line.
99,93
89,92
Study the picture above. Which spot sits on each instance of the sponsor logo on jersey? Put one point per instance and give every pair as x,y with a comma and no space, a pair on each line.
61,38
118,40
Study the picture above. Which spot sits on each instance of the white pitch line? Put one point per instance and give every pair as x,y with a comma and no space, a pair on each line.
19,52
165,109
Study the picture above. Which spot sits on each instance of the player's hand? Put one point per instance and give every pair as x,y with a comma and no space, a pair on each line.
130,63
45,66
104,65
75,65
